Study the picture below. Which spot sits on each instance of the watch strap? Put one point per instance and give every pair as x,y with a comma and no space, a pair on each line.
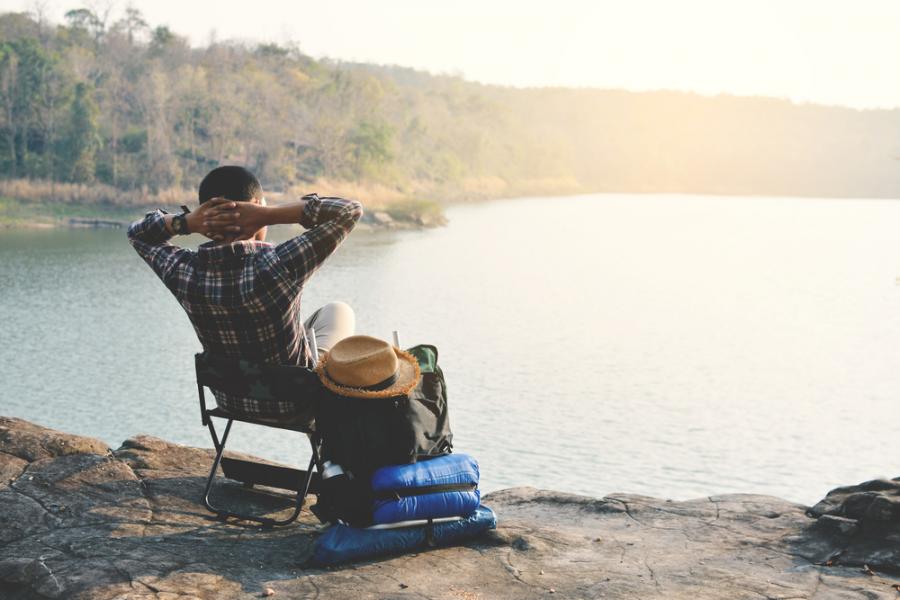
179,224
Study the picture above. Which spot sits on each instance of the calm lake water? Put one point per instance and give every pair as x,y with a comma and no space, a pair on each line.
675,346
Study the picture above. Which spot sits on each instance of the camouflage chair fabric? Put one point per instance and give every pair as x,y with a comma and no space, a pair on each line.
278,392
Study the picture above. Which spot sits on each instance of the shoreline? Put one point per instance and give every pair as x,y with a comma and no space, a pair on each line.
19,215
416,204
396,215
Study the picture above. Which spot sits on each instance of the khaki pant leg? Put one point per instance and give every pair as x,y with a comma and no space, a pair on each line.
332,323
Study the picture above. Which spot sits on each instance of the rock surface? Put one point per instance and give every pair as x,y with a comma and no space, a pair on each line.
865,518
78,520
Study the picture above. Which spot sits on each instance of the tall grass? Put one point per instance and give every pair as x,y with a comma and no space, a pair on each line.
41,191
25,202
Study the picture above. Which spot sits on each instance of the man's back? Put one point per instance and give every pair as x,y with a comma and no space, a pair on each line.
243,298
241,305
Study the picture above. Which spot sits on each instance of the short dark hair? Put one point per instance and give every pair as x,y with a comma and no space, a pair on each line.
231,182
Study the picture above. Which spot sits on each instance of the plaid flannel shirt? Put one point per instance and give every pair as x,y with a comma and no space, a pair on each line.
243,299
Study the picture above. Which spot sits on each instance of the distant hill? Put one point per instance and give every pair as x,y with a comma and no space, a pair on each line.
132,106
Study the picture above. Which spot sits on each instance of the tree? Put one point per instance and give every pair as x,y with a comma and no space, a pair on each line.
371,143
161,37
86,20
82,138
9,78
133,23
29,89
54,91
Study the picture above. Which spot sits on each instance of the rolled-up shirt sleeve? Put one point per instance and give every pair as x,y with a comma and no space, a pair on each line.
329,221
150,239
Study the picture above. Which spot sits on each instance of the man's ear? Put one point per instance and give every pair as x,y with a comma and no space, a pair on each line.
260,235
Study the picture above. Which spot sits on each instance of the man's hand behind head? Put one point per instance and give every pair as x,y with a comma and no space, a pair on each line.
196,219
228,221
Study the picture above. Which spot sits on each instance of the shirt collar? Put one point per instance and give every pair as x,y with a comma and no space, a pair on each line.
218,252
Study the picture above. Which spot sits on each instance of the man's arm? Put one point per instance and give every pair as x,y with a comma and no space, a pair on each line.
150,236
328,220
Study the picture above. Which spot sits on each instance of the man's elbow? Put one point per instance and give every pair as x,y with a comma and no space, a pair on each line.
356,210
134,230
147,229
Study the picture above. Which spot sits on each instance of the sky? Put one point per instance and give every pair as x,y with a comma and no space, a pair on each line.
823,51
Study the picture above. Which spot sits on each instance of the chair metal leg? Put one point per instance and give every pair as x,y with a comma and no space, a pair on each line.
301,495
212,432
264,521
220,450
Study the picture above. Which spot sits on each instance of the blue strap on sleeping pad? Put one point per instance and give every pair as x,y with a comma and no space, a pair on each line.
341,544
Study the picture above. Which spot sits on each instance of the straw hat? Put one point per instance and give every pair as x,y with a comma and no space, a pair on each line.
360,366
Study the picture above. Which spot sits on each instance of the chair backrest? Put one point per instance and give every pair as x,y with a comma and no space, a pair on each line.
259,381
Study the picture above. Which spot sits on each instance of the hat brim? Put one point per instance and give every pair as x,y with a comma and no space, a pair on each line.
407,378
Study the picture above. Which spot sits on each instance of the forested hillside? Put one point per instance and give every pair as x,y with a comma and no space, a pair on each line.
130,109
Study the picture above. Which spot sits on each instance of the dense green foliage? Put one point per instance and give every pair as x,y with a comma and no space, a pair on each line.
126,105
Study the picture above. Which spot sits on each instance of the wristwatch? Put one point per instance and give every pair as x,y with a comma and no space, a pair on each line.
179,222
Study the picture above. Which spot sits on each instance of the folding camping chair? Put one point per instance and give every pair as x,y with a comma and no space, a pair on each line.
273,387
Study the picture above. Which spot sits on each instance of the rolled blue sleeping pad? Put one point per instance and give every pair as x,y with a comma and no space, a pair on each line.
446,486
340,543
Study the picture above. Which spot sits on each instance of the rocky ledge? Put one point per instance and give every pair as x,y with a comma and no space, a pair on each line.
379,219
79,520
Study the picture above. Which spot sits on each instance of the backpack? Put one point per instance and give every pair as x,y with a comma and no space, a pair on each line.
364,434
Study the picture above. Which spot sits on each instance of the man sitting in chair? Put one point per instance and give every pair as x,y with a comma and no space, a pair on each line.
241,293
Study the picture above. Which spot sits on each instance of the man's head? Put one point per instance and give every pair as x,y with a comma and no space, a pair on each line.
233,183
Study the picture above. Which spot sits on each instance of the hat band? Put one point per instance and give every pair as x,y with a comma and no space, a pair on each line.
375,387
